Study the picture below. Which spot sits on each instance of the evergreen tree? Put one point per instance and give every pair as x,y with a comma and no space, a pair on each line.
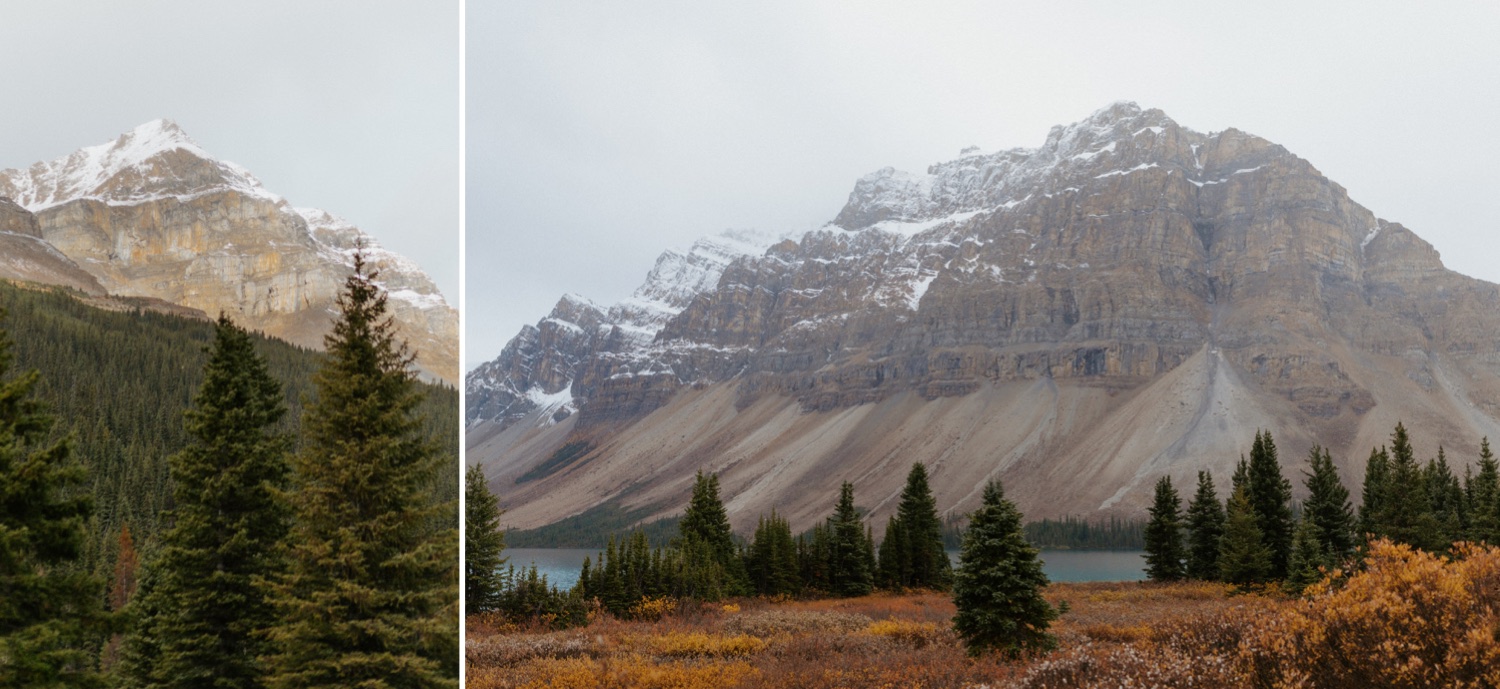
1309,553
894,569
1164,551
1270,493
1328,505
1407,516
484,544
1241,476
771,561
1244,558
228,524
705,529
369,599
1484,498
998,585
51,613
1446,501
927,561
1373,498
1205,521
849,571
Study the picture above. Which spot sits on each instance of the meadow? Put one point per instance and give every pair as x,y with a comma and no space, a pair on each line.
1406,619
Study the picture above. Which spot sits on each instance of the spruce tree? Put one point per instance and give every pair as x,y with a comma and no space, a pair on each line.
369,598
1270,493
1205,522
1407,515
998,585
1446,501
705,529
1164,551
894,568
1244,558
1328,505
849,568
926,562
771,561
51,613
484,544
1309,554
1373,501
1483,490
228,526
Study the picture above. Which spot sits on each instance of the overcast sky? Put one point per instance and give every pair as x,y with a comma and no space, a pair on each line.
350,106
600,134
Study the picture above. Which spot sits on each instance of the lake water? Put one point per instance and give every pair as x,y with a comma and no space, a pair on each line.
562,565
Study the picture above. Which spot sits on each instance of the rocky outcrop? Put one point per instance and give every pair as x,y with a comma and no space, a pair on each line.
26,257
1137,297
152,214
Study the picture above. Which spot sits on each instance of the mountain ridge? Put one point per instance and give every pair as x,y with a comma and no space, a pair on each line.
1129,273
153,214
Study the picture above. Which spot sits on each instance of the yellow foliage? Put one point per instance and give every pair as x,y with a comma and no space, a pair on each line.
909,632
653,607
731,607
634,672
702,645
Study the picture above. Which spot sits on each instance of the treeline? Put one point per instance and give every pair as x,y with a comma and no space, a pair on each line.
118,383
1254,537
1076,533
996,586
315,553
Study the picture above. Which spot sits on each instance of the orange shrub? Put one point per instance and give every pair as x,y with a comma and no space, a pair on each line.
914,634
1409,619
701,645
652,607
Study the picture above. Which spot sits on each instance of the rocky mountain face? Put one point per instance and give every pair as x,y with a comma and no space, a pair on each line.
152,214
1129,300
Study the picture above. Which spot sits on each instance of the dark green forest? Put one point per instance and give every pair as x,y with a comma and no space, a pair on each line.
118,382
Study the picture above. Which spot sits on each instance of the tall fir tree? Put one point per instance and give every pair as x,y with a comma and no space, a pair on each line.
771,560
1445,498
921,560
1328,505
484,544
1483,491
849,568
229,522
1244,558
1310,555
1407,515
51,611
370,598
1164,550
1373,501
704,528
998,585
1270,493
894,568
1205,523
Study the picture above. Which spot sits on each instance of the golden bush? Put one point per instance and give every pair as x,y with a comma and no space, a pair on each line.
703,645
652,607
909,632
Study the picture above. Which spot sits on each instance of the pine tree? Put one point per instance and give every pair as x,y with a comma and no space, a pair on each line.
1407,515
1205,522
370,597
1270,493
1373,501
771,561
926,562
705,529
849,571
122,587
894,568
228,524
51,613
1484,498
1328,505
1244,558
1164,551
998,585
1446,502
484,544
1309,553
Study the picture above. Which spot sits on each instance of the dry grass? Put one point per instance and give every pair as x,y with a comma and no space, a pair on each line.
1409,620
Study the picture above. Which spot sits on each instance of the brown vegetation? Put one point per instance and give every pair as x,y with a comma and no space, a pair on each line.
1409,619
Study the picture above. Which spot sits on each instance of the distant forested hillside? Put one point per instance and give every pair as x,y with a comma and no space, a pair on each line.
118,381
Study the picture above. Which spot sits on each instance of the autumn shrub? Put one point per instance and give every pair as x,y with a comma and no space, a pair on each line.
1408,619
1108,666
628,672
504,650
911,633
652,607
700,645
768,623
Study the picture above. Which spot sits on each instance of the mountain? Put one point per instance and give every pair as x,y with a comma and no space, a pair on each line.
1129,300
152,214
